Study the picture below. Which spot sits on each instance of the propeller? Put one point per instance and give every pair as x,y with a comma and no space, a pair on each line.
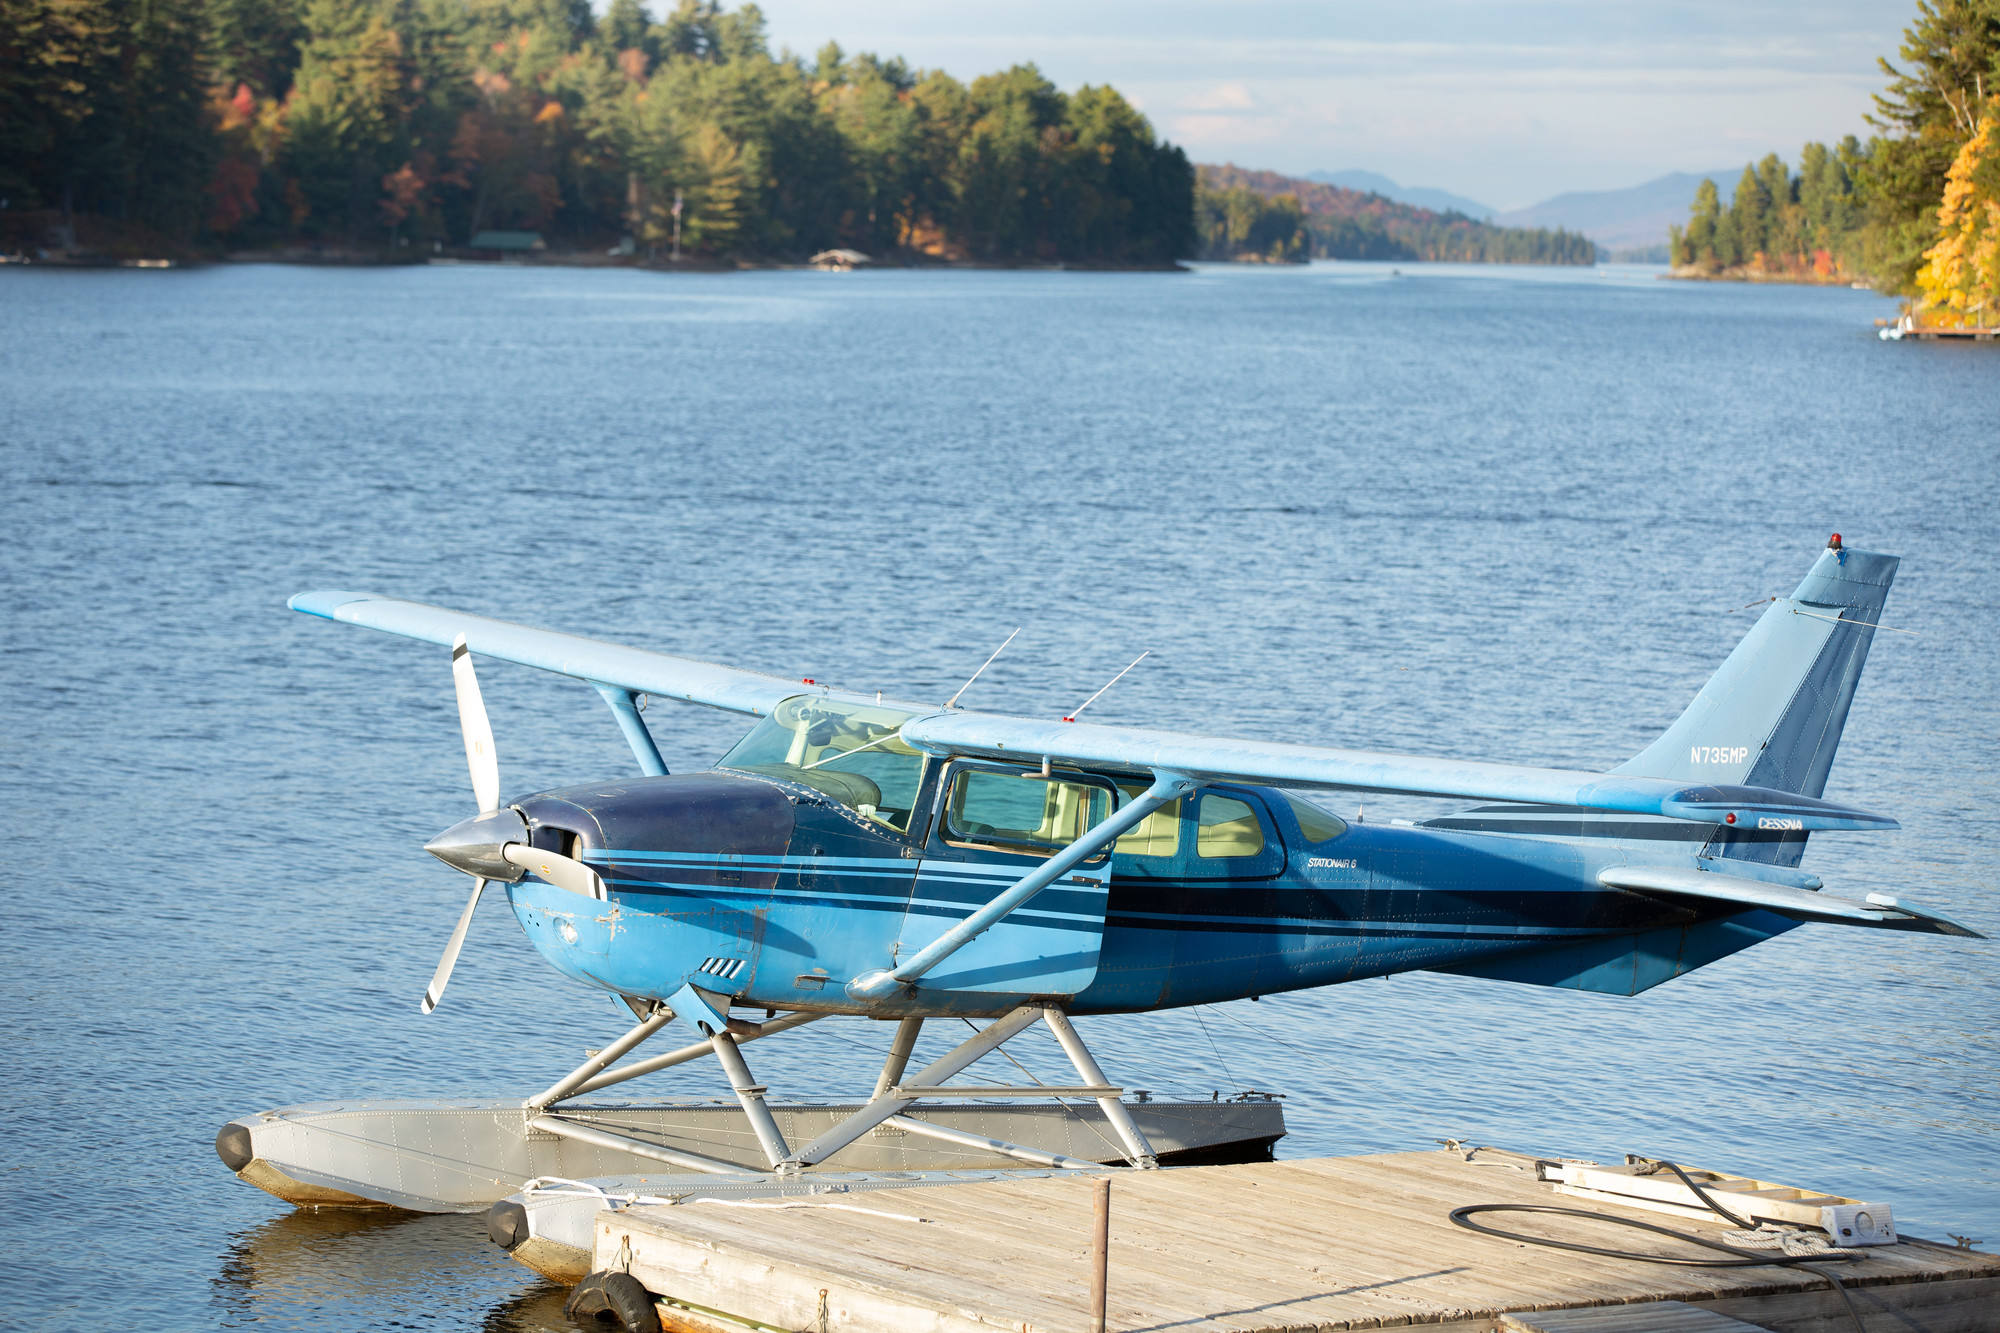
485,767
478,732
493,844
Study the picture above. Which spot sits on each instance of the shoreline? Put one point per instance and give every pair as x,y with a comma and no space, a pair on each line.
1747,273
340,259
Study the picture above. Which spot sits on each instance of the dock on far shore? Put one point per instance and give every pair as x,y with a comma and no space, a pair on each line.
1278,1247
1898,330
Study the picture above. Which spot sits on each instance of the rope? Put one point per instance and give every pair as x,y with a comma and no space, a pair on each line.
806,1203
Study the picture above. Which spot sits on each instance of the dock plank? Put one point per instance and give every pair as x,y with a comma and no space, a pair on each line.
1650,1317
1334,1243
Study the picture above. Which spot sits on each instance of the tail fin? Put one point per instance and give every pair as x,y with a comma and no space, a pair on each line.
1773,714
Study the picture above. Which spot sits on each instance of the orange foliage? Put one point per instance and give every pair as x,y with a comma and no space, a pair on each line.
234,194
403,188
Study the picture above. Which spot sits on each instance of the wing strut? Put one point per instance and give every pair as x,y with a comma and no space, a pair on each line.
1167,786
625,707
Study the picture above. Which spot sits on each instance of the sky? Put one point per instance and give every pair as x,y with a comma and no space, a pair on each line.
1508,103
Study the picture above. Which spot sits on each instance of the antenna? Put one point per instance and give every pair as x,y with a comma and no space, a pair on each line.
948,703
1107,685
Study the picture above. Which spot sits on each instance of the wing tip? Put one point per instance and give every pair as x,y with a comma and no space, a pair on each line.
324,602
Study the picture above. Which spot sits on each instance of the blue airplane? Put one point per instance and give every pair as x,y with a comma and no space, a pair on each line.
901,860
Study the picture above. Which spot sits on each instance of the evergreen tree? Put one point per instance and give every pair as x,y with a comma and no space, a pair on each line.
1826,194
1698,246
628,27
1951,56
254,42
1749,217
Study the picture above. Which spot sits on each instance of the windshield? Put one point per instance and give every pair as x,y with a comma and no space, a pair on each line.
848,751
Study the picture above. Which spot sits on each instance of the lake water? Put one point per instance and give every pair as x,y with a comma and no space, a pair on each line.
1510,514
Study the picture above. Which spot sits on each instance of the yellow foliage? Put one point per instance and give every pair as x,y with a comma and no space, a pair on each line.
1960,279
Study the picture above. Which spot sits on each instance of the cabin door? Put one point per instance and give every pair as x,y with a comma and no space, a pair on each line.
991,825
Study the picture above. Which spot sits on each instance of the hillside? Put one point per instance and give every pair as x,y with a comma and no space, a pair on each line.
1422,196
1244,214
1630,219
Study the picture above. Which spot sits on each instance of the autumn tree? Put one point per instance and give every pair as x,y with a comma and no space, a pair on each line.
1960,277
1950,67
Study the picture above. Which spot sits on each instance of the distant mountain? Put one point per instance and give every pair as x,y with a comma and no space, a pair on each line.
1422,196
1634,219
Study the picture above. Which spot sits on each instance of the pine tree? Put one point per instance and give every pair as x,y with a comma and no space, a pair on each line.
1951,57
1704,222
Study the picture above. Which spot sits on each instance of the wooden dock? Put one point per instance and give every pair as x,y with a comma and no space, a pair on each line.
1317,1244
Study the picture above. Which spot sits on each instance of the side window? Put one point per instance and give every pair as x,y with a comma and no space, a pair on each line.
1317,822
1158,834
1023,812
1227,828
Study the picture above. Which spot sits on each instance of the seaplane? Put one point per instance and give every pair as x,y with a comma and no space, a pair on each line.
909,862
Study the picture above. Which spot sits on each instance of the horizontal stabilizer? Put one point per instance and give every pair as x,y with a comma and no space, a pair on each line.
1800,904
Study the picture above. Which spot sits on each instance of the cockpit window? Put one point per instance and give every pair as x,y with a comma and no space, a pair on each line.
848,751
1023,812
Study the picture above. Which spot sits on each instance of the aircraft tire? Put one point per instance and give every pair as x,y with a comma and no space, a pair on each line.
617,1296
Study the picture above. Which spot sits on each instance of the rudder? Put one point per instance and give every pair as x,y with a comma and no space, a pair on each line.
1772,714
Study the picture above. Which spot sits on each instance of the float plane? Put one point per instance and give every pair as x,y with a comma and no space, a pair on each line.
909,861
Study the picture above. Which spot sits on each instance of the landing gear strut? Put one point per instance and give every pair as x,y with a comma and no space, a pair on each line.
893,1095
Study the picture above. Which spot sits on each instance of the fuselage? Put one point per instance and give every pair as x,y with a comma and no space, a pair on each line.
773,885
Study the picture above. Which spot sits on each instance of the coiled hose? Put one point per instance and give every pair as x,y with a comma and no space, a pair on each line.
1741,1258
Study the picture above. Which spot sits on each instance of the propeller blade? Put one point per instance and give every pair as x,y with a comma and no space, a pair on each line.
562,871
435,992
478,732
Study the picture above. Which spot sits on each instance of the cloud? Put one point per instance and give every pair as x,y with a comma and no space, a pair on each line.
1505,102
1224,97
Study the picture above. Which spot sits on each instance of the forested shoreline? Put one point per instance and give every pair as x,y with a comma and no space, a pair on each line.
395,128
384,130
1913,212
1267,217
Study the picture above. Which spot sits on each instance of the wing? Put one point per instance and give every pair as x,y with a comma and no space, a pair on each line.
633,669
1115,748
1205,758
1878,910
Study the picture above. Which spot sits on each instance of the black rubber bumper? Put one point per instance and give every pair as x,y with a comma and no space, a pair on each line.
507,1224
232,1145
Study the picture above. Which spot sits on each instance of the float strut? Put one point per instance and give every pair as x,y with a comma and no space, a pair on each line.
597,1138
586,1072
687,1053
1034,1156
899,1056
1136,1147
751,1094
984,1042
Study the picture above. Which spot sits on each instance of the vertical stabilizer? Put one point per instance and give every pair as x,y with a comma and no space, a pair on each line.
1773,714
